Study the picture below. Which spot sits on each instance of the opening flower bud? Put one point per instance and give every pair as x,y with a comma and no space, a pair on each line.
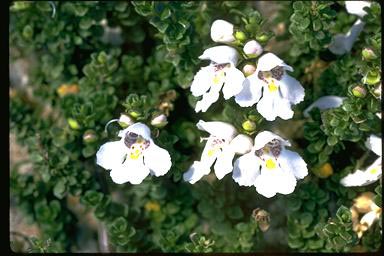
159,121
89,136
249,126
359,91
249,69
73,124
371,78
222,31
368,54
252,48
125,120
240,35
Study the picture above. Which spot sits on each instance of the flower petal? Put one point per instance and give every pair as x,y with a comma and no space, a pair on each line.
133,171
293,162
111,154
362,178
202,81
342,44
196,172
222,31
283,108
268,61
374,144
251,92
221,54
369,218
241,144
264,137
218,129
265,107
208,99
353,34
233,82
324,102
157,159
356,7
246,169
270,182
291,89
223,164
138,128
337,46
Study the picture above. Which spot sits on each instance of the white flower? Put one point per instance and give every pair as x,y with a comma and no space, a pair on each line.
269,166
342,44
221,73
134,156
277,90
222,31
253,48
221,146
370,174
356,7
323,103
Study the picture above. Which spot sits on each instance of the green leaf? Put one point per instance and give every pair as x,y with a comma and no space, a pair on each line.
306,219
344,214
235,212
316,24
59,189
298,6
332,140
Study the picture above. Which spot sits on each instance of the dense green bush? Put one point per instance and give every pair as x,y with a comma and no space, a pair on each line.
91,62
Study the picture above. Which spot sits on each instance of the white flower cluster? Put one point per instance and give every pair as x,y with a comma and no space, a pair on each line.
268,85
265,163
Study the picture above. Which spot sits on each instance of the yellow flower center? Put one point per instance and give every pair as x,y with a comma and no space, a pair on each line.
218,78
373,171
211,152
136,151
272,87
270,164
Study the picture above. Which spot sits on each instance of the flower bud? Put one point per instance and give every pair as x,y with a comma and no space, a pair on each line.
159,121
125,120
222,31
324,170
372,77
262,38
73,124
359,91
134,113
89,136
377,91
249,126
240,35
368,54
252,48
249,69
